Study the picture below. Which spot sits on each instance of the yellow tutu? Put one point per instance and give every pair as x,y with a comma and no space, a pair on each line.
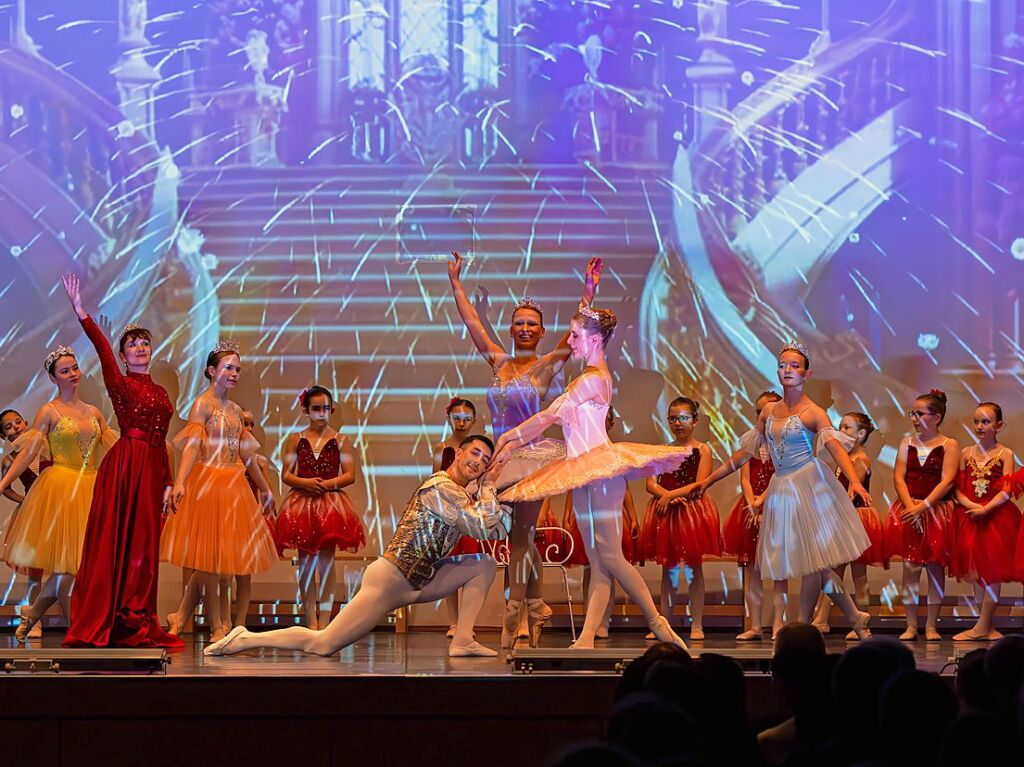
218,527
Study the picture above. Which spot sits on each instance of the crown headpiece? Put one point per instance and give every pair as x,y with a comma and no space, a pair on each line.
128,329
56,354
528,303
587,312
796,346
231,345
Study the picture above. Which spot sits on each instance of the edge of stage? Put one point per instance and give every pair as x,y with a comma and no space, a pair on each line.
389,699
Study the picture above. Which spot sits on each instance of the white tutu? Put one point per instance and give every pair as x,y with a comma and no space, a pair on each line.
529,458
809,524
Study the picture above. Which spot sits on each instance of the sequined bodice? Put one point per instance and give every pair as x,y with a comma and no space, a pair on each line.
980,480
761,472
923,478
324,466
511,402
858,502
792,447
223,431
421,540
685,474
72,447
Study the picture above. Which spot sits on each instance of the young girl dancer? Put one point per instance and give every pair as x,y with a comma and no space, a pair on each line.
987,525
12,426
680,532
919,527
461,417
217,529
858,427
51,523
317,517
595,470
521,381
808,525
114,601
741,531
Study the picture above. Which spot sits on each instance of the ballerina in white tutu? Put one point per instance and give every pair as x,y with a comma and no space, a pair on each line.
809,524
595,471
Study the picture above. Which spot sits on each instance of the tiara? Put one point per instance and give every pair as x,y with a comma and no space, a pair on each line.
128,329
796,346
528,303
230,345
587,312
56,354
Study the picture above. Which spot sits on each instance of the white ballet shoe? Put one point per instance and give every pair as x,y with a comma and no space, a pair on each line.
663,632
471,650
174,624
223,646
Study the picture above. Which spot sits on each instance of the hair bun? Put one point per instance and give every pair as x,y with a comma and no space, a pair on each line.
938,393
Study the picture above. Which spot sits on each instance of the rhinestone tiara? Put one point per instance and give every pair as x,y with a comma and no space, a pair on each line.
586,311
528,303
230,345
56,354
796,346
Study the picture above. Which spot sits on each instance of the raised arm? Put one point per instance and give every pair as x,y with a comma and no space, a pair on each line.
108,362
555,359
490,351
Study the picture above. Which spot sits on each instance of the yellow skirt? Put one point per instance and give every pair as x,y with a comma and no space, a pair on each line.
218,527
50,527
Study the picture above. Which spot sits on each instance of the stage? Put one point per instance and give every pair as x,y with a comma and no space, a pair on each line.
389,699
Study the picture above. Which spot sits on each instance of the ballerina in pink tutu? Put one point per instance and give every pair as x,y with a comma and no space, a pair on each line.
595,470
809,525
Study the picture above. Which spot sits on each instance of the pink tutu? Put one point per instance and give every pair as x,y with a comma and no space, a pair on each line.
629,460
738,537
311,524
687,532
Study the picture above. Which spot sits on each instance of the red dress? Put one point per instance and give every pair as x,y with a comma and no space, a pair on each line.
739,538
874,554
689,530
984,547
932,542
311,524
271,524
113,603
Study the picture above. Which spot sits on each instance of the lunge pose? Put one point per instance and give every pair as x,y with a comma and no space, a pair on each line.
415,567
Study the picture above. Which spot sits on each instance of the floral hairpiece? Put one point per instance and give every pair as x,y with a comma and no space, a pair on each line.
528,303
937,392
302,396
799,348
587,312
56,354
226,346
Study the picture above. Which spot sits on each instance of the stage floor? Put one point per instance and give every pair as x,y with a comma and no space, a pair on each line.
424,654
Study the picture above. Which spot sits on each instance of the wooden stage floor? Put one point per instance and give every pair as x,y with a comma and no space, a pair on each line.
389,699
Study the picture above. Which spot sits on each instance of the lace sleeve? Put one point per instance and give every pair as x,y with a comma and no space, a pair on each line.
826,435
482,518
753,442
33,441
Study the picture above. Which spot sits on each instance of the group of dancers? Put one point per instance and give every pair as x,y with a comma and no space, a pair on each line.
101,509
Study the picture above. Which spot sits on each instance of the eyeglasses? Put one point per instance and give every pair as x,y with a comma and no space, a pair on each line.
680,418
919,413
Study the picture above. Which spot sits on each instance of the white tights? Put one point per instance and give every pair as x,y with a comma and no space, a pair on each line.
385,589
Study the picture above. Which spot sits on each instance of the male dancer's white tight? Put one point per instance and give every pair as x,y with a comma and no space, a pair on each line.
598,508
385,589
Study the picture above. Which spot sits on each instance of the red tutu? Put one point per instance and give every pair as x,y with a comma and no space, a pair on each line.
738,537
876,553
311,524
688,532
984,548
933,544
466,545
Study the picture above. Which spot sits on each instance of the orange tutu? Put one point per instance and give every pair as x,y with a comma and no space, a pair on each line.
933,543
875,554
218,527
686,533
984,548
738,537
310,524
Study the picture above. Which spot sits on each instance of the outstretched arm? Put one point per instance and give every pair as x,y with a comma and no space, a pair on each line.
108,362
491,351
839,454
482,517
557,357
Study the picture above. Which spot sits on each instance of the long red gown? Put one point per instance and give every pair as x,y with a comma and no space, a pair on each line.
113,603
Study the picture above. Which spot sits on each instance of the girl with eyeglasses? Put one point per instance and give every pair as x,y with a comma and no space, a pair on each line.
677,531
919,527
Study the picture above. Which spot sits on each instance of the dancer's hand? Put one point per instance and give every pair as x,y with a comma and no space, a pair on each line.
177,494
857,490
662,504
753,518
74,290
105,326
269,505
912,514
976,511
455,267
634,529
698,490
481,299
314,486
168,506
593,276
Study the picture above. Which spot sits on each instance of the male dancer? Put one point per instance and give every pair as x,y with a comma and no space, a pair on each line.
415,567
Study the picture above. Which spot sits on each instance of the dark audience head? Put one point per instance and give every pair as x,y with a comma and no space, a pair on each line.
973,688
653,729
914,710
594,754
633,677
1004,667
978,738
801,672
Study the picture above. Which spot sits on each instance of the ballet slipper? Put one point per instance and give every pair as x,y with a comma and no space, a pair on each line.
174,624
932,635
910,635
602,633
451,632
510,624
579,644
36,632
696,633
223,646
649,637
471,650
537,614
852,637
21,632
822,627
971,636
860,628
662,630
750,635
